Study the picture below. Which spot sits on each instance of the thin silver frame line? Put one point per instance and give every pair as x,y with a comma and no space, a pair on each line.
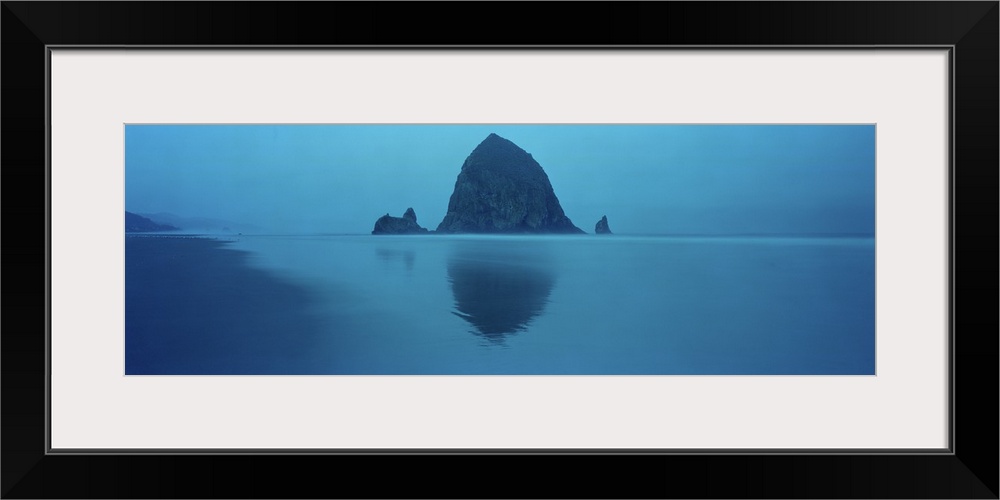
48,253
498,47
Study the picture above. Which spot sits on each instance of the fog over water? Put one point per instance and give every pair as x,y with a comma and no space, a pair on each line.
648,179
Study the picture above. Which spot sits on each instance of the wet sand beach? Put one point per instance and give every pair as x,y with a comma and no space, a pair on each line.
471,305
193,306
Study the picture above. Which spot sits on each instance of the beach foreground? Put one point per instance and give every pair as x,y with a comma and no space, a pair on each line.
194,306
507,305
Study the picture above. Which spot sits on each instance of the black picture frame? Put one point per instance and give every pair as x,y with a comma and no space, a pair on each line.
969,28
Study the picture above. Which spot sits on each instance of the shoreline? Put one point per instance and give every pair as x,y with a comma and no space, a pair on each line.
195,307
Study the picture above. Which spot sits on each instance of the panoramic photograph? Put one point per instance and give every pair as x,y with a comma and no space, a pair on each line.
499,249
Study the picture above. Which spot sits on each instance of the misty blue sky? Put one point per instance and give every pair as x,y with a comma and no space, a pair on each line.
647,179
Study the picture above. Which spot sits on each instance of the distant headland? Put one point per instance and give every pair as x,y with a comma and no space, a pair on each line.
135,223
501,189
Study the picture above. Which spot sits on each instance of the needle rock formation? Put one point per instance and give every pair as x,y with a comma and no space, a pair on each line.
602,226
407,224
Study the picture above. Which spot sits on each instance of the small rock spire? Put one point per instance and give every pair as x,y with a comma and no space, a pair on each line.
410,214
602,226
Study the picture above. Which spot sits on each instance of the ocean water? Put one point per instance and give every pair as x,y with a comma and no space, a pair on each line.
464,304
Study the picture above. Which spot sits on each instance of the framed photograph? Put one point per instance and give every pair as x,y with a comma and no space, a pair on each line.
725,251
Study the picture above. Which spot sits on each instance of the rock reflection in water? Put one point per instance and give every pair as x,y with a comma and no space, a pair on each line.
499,291
390,255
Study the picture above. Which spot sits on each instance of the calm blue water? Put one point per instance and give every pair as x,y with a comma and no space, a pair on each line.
507,305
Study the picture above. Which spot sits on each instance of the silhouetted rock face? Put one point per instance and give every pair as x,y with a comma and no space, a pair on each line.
502,189
602,226
407,224
410,215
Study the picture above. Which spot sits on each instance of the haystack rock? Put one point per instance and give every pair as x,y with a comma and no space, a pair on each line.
502,189
407,224
602,226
